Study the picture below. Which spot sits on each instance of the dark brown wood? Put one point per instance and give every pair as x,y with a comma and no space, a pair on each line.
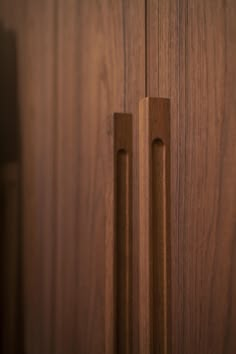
10,171
154,225
35,78
191,55
119,257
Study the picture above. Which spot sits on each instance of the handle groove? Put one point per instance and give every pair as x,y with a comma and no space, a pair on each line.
154,225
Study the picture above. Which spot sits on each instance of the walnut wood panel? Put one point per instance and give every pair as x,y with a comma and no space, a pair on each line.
120,259
111,79
78,61
68,180
154,221
191,57
37,63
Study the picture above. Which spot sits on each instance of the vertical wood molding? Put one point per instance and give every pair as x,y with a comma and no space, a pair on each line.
154,224
119,255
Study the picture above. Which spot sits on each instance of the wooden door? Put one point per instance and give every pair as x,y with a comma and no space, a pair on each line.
111,78
191,55
77,62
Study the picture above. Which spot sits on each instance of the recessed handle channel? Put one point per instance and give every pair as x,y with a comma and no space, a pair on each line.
154,225
123,232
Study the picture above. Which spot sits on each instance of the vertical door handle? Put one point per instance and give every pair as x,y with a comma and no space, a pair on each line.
119,249
154,225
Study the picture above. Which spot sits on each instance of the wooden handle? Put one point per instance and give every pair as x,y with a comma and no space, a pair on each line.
123,231
154,224
119,250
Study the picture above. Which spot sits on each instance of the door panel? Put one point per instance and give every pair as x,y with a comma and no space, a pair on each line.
111,78
78,62
191,58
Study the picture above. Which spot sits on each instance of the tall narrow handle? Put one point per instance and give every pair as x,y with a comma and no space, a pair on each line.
154,224
119,256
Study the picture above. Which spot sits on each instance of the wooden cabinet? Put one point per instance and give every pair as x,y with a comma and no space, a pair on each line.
78,62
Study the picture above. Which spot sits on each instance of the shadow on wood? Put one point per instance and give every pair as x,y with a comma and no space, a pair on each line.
10,225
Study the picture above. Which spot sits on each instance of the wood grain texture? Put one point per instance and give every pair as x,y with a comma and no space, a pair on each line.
37,94
191,59
154,225
68,180
111,79
123,236
77,63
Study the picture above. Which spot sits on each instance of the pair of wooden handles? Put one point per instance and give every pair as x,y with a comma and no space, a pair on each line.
154,230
